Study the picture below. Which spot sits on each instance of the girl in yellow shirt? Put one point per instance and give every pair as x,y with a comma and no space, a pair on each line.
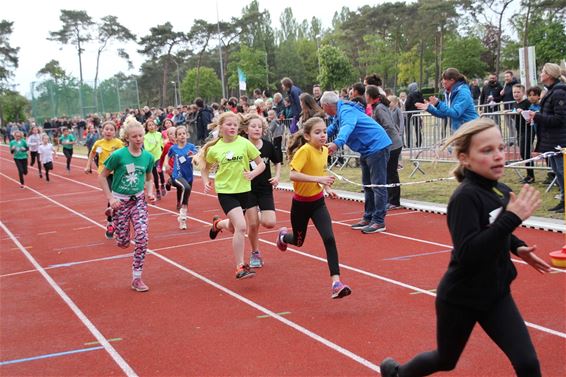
308,155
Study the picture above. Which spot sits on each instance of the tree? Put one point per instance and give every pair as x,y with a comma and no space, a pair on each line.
8,54
211,87
200,35
464,53
107,30
13,107
251,61
75,30
161,41
336,71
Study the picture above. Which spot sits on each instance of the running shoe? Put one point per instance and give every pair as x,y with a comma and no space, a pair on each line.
108,212
340,290
157,194
168,185
109,231
389,368
244,272
282,245
213,229
163,191
374,228
139,285
182,222
256,261
360,224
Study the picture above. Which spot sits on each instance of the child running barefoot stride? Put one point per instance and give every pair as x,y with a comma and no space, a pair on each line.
132,171
182,172
19,148
232,153
46,155
309,155
263,212
103,148
482,215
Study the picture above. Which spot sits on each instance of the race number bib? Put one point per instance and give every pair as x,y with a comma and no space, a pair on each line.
130,168
182,159
99,150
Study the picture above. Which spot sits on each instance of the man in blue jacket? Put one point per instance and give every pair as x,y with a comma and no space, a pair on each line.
364,135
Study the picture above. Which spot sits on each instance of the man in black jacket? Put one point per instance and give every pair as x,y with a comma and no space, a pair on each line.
204,118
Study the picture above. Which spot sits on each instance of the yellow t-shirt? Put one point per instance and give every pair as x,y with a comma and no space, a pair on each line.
311,161
104,149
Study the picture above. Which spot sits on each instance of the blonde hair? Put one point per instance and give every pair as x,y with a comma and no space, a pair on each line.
247,119
199,160
461,140
553,70
180,128
129,124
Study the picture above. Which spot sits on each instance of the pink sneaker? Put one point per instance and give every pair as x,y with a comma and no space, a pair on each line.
280,243
139,285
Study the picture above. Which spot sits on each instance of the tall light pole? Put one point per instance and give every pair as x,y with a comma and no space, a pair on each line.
178,82
175,86
220,53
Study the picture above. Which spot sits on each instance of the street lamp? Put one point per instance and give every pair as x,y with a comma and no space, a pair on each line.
175,86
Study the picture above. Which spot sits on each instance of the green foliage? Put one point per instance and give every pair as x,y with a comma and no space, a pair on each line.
13,107
8,54
336,71
210,85
252,62
465,54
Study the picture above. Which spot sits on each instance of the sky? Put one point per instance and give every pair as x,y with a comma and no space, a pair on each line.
33,20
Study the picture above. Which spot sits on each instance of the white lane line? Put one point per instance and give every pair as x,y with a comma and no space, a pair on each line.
53,196
46,233
82,317
237,296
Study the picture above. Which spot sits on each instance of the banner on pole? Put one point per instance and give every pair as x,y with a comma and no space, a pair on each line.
242,79
527,66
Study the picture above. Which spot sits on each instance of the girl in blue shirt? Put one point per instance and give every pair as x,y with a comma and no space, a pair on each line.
182,173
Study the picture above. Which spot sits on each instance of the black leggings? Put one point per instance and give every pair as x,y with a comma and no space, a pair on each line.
68,152
22,165
47,166
183,190
393,193
504,325
301,213
158,177
526,139
35,156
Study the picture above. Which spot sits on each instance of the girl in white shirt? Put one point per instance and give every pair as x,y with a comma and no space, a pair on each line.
46,155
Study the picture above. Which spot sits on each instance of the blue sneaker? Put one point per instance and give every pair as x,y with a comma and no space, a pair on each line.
281,245
256,261
389,368
340,290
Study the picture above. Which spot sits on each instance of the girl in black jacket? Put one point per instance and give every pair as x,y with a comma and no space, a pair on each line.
482,215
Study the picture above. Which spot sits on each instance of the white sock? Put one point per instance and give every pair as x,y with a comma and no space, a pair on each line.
136,274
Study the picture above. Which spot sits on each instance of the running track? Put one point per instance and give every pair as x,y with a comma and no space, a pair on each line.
67,309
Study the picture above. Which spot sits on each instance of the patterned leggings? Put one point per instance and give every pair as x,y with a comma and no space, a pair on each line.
134,211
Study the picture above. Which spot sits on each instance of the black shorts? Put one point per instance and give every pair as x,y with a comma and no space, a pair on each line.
230,201
263,199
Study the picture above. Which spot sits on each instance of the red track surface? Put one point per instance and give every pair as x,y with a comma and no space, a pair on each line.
198,320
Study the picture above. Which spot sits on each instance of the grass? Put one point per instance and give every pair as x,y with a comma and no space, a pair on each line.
440,192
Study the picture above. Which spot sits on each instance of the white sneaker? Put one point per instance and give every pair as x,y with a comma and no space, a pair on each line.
182,222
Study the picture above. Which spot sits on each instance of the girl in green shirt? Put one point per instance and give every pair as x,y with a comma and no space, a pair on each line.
67,140
19,148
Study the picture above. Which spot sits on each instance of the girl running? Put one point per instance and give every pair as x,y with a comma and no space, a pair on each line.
261,197
232,153
182,172
103,148
46,155
170,141
309,156
67,140
132,168
33,141
482,215
153,143
19,148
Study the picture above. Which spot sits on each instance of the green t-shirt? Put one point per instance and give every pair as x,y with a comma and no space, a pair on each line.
65,139
153,143
232,159
20,149
129,171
